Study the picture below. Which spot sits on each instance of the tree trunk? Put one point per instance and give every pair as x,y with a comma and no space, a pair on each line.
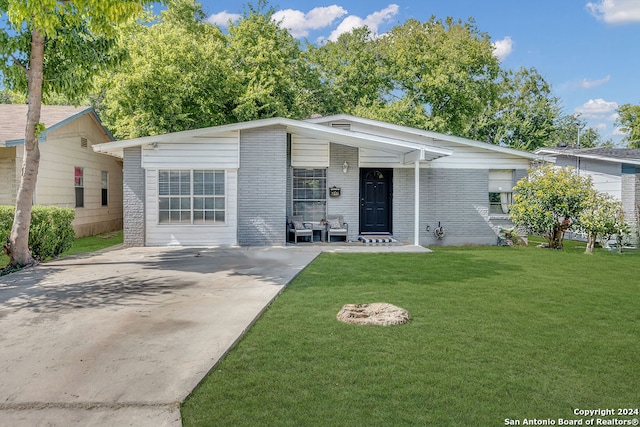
555,239
18,245
591,243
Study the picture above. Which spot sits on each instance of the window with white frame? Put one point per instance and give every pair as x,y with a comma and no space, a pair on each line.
79,186
310,194
104,184
500,191
191,197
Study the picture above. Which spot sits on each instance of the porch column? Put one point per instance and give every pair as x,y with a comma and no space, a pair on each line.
416,205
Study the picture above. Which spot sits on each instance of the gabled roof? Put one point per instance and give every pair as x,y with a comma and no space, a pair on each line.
429,136
297,127
13,121
426,149
629,156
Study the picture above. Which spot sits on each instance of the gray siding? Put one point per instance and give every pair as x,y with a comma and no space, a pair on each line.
133,198
262,182
348,203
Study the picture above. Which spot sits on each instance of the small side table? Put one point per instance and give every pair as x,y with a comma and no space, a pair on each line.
321,228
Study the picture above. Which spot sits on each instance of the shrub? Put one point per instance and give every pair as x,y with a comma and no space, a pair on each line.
50,233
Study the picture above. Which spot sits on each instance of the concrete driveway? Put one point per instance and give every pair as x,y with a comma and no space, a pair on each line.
121,338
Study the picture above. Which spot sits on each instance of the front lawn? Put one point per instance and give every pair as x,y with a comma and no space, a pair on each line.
496,334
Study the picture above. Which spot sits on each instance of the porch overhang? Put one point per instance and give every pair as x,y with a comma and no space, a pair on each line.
406,151
409,152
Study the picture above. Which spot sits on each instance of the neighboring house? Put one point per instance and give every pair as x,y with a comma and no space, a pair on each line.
615,171
70,174
236,184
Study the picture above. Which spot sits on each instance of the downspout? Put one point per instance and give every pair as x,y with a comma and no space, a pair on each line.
416,203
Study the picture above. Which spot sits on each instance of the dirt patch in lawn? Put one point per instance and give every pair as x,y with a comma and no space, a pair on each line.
377,313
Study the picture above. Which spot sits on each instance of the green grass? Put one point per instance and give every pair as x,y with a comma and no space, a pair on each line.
84,245
495,333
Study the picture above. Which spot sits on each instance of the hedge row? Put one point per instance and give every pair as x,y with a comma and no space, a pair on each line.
50,233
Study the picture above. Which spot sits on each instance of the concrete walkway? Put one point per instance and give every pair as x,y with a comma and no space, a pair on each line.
121,338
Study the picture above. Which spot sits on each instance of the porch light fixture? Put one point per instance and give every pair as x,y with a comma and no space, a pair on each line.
345,167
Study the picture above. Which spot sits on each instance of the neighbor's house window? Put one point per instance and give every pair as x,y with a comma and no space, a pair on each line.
191,197
500,191
104,182
79,185
310,194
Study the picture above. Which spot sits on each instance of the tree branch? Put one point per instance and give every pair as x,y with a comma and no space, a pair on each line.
20,64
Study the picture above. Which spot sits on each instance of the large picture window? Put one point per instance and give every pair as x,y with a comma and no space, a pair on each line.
310,194
191,197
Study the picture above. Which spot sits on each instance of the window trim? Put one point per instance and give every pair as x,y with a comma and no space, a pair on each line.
294,199
496,189
104,188
191,196
78,185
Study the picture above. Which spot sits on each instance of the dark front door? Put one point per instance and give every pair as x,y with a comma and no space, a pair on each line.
375,200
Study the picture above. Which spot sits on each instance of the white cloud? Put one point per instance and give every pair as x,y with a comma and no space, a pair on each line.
372,21
588,84
222,19
299,23
503,48
619,132
615,11
597,109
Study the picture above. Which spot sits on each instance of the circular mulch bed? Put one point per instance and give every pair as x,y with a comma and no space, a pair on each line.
377,313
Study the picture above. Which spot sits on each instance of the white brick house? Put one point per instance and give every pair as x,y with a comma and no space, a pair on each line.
237,184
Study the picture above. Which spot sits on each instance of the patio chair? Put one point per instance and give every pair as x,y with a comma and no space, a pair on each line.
336,227
299,228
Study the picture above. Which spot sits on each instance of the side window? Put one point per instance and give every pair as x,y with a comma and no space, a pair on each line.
500,191
105,188
79,186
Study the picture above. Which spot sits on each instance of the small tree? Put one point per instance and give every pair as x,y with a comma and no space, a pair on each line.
601,218
51,44
549,201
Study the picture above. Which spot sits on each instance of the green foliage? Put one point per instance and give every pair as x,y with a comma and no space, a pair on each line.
50,234
602,216
549,201
629,122
566,131
353,73
445,68
270,68
78,43
523,115
177,76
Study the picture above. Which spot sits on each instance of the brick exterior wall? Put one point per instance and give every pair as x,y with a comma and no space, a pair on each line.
133,198
458,199
262,182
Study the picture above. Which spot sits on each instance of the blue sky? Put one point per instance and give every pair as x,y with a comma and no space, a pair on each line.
587,49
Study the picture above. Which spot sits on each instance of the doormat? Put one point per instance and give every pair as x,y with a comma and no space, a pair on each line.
377,239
